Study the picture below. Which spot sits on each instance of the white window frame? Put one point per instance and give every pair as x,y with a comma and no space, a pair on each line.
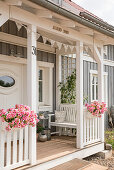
42,106
105,80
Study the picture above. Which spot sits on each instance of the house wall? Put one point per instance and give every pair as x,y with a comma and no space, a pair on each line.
5,48
86,83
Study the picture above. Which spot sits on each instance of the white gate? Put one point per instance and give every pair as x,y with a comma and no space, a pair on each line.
13,148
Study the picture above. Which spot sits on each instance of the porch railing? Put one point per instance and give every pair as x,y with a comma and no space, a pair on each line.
13,148
91,126
91,129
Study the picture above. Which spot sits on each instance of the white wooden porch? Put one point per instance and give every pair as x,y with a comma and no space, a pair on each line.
90,132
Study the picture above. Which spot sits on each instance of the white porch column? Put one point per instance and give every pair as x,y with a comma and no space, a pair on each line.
58,79
101,92
79,93
31,86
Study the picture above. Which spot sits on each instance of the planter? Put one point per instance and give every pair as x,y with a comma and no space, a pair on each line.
42,137
48,133
4,124
89,115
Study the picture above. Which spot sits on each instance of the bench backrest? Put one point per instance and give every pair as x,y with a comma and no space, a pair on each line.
70,112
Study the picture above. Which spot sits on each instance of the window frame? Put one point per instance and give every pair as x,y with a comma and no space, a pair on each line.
105,84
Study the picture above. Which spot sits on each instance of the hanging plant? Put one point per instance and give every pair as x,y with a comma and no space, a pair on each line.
18,117
96,108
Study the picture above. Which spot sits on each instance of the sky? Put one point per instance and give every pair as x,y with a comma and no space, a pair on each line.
102,8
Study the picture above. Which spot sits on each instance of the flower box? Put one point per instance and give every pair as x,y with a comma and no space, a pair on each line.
89,115
96,109
18,117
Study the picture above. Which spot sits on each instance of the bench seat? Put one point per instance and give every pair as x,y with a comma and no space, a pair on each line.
64,124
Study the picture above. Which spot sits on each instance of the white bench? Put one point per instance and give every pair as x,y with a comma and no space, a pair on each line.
70,120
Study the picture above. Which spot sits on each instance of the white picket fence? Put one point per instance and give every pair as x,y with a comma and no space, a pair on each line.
91,128
13,148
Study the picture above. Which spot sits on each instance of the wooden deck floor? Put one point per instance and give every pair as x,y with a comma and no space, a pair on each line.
55,148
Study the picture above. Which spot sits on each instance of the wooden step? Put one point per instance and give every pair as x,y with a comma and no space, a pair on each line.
77,164
74,164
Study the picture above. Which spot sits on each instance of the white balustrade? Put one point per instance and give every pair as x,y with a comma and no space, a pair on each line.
91,125
13,148
91,128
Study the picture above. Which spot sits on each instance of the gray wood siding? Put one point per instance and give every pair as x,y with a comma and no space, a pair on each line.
87,66
110,71
110,53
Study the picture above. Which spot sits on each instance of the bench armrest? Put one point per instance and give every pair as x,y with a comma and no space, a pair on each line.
50,115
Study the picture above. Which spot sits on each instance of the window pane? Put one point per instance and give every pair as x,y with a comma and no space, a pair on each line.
93,80
96,80
40,91
6,81
96,92
40,74
93,96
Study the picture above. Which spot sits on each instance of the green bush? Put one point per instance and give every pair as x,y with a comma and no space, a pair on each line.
109,137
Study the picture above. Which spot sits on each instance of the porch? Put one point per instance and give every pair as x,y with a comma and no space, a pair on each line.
63,149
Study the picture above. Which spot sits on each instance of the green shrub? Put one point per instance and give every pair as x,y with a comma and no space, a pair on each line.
109,137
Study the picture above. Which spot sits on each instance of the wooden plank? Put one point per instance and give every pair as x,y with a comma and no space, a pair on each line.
14,147
20,145
26,143
73,164
2,148
8,156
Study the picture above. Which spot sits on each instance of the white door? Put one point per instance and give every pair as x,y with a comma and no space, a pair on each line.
11,84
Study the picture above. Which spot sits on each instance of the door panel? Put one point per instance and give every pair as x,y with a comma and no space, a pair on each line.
9,96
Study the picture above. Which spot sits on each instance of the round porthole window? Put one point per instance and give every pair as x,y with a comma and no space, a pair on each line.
6,81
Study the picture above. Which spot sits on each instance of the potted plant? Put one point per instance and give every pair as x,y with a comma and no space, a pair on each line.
42,137
18,117
41,116
95,109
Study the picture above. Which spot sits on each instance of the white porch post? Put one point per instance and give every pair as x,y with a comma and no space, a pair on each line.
101,91
58,79
31,86
79,93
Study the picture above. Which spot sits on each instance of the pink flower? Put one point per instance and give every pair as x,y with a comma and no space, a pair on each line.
18,117
96,108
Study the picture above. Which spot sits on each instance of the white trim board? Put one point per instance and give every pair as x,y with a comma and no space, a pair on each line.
105,61
45,64
88,58
23,61
108,62
19,41
96,72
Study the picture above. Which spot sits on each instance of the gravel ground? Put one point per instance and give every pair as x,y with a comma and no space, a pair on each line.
104,162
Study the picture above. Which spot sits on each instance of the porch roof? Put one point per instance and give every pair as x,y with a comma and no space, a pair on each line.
84,17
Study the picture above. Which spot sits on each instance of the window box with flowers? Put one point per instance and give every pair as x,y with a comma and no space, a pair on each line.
18,117
95,109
